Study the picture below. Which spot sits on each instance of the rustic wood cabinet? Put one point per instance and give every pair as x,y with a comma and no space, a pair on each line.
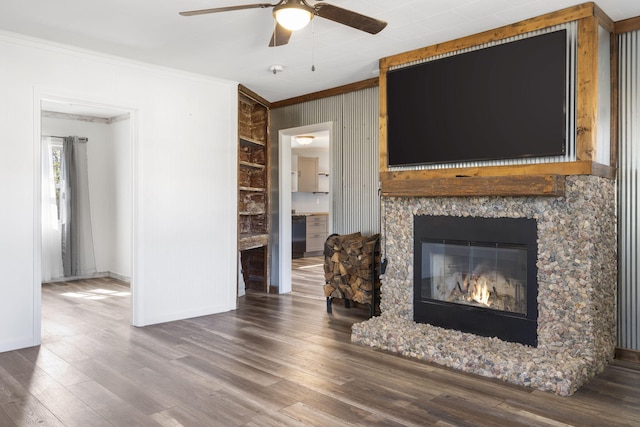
253,190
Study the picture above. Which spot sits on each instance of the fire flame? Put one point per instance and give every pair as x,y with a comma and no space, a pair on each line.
481,293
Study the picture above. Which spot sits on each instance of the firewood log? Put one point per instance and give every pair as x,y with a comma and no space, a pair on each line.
342,269
366,285
328,290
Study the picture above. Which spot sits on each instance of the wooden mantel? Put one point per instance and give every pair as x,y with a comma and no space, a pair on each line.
516,180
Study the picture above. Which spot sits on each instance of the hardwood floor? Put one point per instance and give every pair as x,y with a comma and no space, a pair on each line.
308,277
279,360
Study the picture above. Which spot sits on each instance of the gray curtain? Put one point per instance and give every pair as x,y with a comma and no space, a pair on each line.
78,258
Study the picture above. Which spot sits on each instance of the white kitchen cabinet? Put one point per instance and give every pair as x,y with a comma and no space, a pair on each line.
307,174
316,232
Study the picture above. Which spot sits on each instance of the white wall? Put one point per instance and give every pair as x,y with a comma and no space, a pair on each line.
109,166
310,202
184,146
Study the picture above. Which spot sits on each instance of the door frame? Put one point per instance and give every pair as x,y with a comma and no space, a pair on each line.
284,189
43,95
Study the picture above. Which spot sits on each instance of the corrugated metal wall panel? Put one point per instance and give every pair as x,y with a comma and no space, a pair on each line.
354,160
354,153
361,159
628,191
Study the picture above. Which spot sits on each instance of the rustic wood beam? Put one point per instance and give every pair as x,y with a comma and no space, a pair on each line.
569,14
603,19
615,73
340,90
254,96
564,168
587,89
627,25
494,180
603,171
610,26
382,121
468,186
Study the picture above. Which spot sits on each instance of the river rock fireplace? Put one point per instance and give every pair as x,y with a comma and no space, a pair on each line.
575,259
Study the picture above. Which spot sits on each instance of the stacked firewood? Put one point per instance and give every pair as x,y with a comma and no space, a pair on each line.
350,262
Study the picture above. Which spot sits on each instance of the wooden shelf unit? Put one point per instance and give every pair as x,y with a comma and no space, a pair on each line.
253,190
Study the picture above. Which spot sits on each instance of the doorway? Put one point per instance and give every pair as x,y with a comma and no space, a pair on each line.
107,133
310,201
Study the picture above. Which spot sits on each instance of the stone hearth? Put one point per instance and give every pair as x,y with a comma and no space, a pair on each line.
577,272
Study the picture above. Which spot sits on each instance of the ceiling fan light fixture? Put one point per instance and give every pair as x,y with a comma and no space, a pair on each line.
293,15
304,139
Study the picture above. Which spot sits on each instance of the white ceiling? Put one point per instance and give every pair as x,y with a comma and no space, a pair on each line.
233,45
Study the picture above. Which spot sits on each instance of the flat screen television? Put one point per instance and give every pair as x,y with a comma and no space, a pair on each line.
506,101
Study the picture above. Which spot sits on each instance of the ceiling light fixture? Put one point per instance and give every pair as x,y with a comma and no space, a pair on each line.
293,14
304,139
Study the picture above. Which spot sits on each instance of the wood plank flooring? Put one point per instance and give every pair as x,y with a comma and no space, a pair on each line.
308,277
279,360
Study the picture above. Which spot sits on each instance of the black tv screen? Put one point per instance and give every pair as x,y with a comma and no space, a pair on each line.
501,102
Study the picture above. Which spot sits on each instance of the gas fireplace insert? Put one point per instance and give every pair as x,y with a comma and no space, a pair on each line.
477,275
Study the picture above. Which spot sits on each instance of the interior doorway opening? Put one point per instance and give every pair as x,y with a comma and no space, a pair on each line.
311,203
107,135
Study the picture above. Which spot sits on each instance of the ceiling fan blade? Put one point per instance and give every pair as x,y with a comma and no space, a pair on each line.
226,9
280,36
349,18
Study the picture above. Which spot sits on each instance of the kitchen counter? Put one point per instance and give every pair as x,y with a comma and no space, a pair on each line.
309,213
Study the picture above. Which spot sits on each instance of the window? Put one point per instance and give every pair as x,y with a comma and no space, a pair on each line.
56,164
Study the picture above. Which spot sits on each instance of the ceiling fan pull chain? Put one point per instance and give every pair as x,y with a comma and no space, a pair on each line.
275,32
313,47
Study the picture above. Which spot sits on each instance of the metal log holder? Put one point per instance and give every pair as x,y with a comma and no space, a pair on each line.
375,277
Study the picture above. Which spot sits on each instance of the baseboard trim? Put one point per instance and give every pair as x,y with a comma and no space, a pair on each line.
70,278
109,274
627,355
120,277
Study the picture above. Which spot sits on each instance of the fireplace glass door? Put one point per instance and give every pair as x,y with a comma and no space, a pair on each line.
477,275
492,276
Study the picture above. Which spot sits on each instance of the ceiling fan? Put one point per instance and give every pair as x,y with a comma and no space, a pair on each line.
291,15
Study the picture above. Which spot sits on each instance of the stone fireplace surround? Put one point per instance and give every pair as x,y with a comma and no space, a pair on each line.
577,272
